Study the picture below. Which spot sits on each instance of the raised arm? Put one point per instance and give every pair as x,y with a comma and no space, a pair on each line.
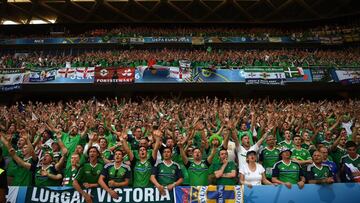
182,152
127,149
18,160
157,136
212,155
261,140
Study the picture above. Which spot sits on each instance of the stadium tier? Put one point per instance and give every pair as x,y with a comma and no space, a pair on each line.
179,101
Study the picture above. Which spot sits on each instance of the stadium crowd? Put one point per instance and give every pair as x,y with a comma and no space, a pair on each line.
204,58
190,141
219,31
298,32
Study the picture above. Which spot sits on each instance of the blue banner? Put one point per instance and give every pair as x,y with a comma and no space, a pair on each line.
207,75
321,74
346,76
334,193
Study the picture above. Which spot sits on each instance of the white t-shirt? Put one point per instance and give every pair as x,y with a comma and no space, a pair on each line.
253,178
241,153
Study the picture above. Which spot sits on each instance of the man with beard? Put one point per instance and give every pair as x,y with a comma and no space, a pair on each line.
115,175
166,174
142,166
88,174
317,172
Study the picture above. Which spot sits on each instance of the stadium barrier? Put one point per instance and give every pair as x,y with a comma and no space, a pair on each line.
334,193
12,79
328,40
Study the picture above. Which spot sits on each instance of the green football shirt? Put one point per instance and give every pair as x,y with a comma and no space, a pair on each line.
69,176
286,144
315,173
21,175
43,181
70,142
142,172
198,173
88,173
348,160
337,154
269,158
300,154
229,167
167,174
287,172
116,174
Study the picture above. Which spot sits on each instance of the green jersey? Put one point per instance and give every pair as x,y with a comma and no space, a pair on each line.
327,143
43,181
198,173
21,175
106,154
337,154
70,142
229,167
288,145
4,149
315,173
167,174
300,154
89,173
348,160
287,172
69,176
142,172
117,174
269,158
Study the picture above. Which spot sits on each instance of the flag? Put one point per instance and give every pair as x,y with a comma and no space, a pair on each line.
66,73
297,74
293,72
347,75
268,76
114,75
85,73
42,75
10,79
209,194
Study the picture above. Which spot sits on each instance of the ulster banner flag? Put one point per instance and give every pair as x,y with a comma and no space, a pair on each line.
114,75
